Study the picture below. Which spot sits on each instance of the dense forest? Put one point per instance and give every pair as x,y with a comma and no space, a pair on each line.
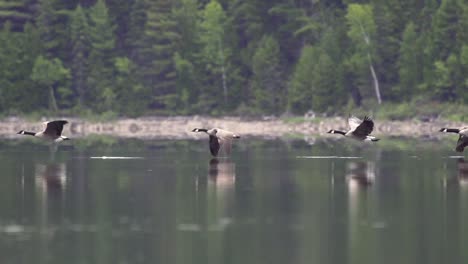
134,57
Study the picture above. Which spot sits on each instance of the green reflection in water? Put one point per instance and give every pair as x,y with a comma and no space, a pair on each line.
272,201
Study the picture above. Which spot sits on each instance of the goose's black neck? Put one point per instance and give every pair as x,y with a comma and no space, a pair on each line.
450,130
201,130
29,133
340,132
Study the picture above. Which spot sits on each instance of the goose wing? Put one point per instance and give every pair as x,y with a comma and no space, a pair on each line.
214,145
353,122
462,143
226,144
55,128
225,140
364,128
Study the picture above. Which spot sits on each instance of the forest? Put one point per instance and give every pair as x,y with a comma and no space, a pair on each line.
231,57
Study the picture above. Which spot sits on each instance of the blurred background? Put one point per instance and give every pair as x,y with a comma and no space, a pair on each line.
113,58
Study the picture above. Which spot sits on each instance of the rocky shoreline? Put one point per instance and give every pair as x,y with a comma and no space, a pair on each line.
180,127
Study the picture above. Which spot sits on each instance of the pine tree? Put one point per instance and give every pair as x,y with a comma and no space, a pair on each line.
445,25
409,62
161,37
80,47
17,12
268,85
100,58
300,93
186,59
215,55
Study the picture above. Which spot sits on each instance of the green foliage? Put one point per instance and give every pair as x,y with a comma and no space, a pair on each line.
300,89
410,72
268,86
245,57
80,46
101,34
49,74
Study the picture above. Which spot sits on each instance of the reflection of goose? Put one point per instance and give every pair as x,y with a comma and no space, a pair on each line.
222,173
360,174
358,129
219,138
51,178
52,131
462,167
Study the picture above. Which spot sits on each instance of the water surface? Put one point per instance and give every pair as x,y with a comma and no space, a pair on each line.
272,201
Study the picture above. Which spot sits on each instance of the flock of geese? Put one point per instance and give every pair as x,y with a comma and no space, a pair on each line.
220,138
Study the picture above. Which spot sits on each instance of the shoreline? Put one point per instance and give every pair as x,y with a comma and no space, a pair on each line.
179,127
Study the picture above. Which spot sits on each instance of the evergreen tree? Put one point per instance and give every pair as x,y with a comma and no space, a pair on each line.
409,63
131,96
445,27
215,54
186,59
268,85
101,55
161,37
80,47
16,12
300,93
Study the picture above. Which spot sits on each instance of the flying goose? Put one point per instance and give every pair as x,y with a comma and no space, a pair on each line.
358,129
462,140
218,138
52,131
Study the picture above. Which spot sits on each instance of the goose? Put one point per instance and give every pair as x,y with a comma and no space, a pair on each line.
218,138
358,129
462,139
52,131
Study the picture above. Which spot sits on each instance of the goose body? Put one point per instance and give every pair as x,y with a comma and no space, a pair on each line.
52,131
358,129
462,139
219,138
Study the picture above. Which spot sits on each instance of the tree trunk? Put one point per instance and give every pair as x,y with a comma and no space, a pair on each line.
376,81
371,66
223,72
52,100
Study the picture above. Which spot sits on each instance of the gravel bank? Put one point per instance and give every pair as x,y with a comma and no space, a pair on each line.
180,127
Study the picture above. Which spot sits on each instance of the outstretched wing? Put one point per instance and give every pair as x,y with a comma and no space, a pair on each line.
462,143
353,122
214,145
55,128
364,128
225,144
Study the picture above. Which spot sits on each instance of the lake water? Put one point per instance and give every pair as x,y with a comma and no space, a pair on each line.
273,201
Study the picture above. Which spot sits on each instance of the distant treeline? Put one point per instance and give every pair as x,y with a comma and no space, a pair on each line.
229,56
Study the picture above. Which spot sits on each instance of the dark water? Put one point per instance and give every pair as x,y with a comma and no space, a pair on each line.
270,202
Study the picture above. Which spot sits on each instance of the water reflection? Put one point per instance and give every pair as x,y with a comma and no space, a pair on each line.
360,174
461,178
50,178
222,173
265,206
221,184
462,168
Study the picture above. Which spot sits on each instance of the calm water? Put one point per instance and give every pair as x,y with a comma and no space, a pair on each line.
271,202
